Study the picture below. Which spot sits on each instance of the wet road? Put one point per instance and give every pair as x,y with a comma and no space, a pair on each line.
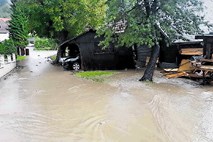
43,103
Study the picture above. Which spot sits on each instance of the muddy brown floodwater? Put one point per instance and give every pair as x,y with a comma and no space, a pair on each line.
43,103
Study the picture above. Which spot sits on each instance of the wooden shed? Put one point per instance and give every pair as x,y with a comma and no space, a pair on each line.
208,44
177,51
93,56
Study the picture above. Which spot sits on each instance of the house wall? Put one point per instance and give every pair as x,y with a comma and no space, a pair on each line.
142,54
208,47
4,33
93,57
169,54
4,36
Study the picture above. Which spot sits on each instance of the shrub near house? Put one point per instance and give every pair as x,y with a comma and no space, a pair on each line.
7,57
7,47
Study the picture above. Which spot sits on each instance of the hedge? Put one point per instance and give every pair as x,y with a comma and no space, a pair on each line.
7,47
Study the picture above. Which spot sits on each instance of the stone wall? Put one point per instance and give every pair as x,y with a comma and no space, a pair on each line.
7,64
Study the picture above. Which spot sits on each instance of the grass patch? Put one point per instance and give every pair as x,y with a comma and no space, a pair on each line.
98,76
21,58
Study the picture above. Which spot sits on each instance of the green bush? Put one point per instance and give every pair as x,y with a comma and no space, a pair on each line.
45,44
21,58
7,47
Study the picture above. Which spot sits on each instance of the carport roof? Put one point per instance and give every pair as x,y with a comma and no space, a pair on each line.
67,41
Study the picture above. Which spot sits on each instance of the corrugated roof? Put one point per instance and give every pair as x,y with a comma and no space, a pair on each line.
5,19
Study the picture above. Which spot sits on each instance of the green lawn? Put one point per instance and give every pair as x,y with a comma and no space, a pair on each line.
21,58
98,76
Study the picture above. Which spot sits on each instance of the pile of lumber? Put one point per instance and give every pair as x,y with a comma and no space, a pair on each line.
190,70
185,68
176,75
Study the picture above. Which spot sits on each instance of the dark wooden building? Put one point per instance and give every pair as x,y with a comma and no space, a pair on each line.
207,45
93,56
171,55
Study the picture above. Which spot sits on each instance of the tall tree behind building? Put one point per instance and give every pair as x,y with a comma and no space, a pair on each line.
146,22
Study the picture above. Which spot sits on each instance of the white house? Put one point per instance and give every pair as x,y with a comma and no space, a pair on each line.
4,33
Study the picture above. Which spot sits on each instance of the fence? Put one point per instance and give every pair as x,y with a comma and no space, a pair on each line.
7,63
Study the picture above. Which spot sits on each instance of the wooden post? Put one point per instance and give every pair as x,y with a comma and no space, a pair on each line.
27,52
14,57
1,61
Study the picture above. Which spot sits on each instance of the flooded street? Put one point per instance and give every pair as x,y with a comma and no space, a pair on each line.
44,103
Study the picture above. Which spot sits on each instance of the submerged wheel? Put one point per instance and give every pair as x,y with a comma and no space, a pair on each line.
76,66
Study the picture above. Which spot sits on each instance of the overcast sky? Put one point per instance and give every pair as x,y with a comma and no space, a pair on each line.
208,10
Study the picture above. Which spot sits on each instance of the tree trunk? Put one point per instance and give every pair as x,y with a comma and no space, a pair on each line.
58,56
148,74
62,36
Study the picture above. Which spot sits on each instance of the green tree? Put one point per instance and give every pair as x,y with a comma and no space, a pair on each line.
146,22
63,19
18,26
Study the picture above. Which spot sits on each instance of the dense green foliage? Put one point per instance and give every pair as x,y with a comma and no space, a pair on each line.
142,21
98,76
45,44
7,47
61,19
18,26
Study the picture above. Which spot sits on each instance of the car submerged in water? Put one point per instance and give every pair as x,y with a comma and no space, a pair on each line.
71,63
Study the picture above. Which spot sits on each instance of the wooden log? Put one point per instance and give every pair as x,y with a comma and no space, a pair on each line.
176,75
191,51
186,66
207,60
171,70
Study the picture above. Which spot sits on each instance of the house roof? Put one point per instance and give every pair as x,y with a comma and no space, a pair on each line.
187,42
5,19
4,24
210,35
72,39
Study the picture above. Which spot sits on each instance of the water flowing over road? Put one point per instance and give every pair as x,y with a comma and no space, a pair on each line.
43,103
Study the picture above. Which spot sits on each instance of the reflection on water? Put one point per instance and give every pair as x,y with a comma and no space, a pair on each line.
43,103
